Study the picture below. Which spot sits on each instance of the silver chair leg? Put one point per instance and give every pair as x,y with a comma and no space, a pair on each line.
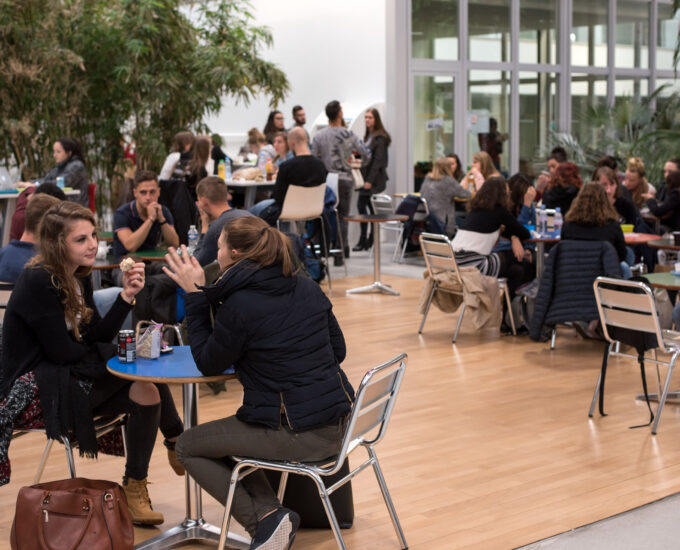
342,242
387,498
552,339
398,245
69,457
662,398
427,307
123,433
330,513
597,388
504,288
460,321
282,487
325,247
43,461
233,480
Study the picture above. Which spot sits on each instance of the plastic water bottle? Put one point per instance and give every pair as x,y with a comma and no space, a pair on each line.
557,224
221,170
227,170
193,239
60,182
542,220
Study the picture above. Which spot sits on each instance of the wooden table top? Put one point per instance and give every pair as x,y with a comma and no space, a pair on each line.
666,244
177,367
370,218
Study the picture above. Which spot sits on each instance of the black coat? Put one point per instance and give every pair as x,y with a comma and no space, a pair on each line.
375,172
668,210
560,196
283,340
566,290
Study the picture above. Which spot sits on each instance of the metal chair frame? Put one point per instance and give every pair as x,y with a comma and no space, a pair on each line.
288,214
439,257
634,311
382,204
103,425
366,427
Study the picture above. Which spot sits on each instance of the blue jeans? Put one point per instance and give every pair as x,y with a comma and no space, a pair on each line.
256,209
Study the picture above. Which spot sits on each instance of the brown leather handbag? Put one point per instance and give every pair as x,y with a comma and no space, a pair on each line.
72,514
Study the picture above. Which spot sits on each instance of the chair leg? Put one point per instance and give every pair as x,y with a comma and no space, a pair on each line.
509,304
330,514
233,480
43,461
398,245
552,339
123,433
662,398
325,247
598,386
342,243
427,307
69,457
387,498
282,487
460,321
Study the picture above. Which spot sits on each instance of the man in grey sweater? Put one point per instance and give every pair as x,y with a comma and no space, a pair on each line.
215,213
334,146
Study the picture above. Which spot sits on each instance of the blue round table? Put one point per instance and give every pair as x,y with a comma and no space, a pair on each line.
179,367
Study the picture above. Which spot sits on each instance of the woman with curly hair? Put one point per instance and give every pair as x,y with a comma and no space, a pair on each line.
563,187
488,213
593,218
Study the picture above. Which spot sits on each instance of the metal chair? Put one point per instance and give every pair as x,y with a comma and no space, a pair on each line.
366,427
383,205
332,182
102,426
306,204
439,257
628,315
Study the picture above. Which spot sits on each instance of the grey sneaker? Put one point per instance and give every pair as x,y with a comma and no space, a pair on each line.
276,531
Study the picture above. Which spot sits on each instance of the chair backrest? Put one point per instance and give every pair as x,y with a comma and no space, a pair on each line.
382,204
332,182
439,255
628,305
422,211
5,293
373,406
303,203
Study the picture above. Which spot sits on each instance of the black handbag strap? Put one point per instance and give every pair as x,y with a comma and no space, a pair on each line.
641,360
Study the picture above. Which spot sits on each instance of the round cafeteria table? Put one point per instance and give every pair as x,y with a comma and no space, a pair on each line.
665,244
376,219
664,280
179,367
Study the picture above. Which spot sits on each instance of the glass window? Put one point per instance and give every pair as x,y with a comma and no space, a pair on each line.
588,92
537,117
488,119
434,29
589,33
668,28
432,122
636,88
489,30
632,34
538,24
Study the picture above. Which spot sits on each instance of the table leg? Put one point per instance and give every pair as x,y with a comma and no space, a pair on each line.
377,285
249,200
194,527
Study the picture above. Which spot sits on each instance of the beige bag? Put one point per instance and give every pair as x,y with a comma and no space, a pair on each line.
355,165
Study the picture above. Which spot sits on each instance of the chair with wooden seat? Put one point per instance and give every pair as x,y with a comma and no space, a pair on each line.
366,426
439,257
628,316
306,204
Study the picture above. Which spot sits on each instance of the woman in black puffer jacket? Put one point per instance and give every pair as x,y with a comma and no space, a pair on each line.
278,331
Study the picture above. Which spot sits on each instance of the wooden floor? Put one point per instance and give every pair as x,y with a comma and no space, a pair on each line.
490,446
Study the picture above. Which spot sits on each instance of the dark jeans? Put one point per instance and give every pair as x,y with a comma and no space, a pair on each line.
364,206
345,189
205,452
110,396
517,273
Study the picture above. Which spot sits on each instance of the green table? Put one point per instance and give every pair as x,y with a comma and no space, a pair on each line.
663,280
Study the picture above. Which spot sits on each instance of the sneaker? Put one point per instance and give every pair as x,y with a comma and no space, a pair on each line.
276,531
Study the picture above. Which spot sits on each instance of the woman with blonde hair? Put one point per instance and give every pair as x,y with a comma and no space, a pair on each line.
481,170
440,190
278,331
52,330
641,190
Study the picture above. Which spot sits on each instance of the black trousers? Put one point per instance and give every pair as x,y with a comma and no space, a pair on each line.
364,206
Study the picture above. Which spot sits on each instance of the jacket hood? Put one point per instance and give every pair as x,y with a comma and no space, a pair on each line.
248,274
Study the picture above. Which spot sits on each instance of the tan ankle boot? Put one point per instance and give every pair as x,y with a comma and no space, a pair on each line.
175,464
139,502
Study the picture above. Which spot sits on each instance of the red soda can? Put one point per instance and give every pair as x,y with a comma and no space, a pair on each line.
127,346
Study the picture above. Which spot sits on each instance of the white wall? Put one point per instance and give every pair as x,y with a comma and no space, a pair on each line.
333,49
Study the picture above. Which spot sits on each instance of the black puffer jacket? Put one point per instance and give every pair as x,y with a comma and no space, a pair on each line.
281,336
566,291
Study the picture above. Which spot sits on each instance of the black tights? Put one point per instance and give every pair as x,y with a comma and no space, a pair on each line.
110,396
364,206
517,273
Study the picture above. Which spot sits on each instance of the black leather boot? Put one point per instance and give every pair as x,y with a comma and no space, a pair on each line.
361,245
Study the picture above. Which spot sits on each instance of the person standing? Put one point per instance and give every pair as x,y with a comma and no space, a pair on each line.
300,119
374,173
335,146
274,124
